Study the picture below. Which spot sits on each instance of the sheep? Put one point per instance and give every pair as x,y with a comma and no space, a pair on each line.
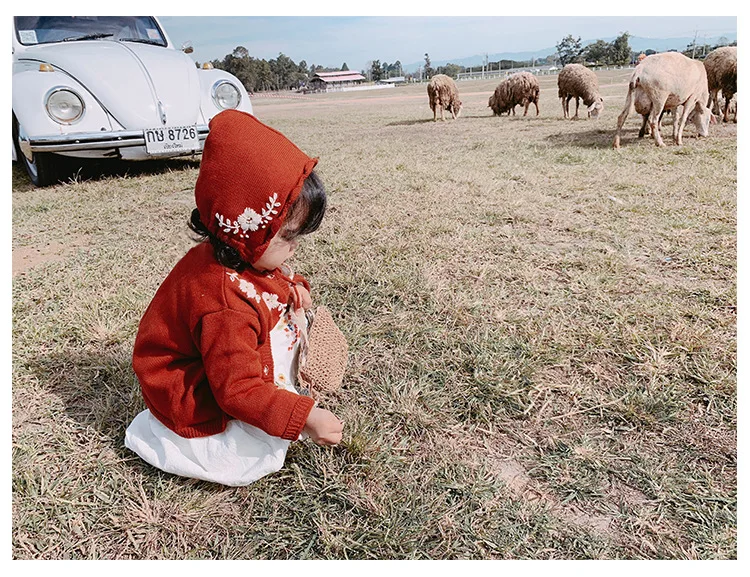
721,70
443,94
665,82
577,81
521,88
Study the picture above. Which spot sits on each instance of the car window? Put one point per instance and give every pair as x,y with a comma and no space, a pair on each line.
45,29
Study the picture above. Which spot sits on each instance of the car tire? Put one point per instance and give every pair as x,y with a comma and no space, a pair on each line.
44,167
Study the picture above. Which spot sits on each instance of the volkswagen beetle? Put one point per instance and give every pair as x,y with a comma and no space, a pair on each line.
109,87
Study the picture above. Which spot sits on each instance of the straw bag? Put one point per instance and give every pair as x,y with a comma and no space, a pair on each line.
322,354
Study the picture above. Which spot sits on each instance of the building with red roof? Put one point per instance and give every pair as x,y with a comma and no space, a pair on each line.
332,81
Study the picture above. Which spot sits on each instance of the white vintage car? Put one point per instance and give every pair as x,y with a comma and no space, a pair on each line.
109,87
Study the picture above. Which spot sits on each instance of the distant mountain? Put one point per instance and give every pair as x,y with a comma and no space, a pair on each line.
637,43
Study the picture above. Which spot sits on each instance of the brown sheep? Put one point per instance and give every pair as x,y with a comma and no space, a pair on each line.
721,70
521,88
577,81
443,94
665,82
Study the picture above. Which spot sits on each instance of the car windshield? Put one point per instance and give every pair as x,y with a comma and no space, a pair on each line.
45,29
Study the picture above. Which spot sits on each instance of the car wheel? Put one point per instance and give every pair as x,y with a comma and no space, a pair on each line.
43,168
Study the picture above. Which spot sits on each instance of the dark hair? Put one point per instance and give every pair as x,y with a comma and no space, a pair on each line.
225,254
303,217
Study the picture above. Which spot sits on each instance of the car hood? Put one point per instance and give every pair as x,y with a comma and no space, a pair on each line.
130,79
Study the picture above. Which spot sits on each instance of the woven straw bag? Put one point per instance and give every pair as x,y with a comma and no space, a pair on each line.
323,354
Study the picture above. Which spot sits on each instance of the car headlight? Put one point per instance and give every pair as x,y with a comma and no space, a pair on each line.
225,95
64,106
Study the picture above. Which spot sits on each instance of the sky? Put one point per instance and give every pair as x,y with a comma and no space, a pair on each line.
332,40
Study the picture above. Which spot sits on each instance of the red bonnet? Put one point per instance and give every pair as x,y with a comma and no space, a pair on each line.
250,174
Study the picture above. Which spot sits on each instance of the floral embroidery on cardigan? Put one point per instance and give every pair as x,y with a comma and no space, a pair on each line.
272,301
246,287
250,220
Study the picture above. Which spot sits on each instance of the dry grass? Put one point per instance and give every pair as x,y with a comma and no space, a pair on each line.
542,335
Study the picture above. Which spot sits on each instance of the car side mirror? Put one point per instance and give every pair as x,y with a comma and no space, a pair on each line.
187,47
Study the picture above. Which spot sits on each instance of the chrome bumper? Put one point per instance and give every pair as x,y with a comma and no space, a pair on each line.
97,140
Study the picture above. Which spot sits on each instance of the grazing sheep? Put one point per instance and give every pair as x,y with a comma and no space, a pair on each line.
521,88
577,81
721,70
665,82
443,94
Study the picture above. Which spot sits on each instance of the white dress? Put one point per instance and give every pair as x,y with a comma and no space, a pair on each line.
239,455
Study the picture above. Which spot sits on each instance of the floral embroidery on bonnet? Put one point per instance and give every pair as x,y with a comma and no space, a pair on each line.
250,220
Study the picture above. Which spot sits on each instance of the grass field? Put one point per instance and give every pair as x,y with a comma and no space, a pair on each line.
542,338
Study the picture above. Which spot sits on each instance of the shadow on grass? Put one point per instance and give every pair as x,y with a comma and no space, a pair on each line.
594,138
98,389
19,179
520,122
410,122
83,169
438,121
488,115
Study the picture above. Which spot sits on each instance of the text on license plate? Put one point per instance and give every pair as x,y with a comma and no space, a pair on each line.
168,140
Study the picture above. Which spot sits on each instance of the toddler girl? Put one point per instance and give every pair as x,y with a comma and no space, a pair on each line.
216,349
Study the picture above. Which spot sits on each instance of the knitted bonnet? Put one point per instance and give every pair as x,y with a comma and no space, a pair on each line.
250,175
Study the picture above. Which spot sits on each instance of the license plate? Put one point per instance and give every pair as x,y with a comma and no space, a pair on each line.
171,140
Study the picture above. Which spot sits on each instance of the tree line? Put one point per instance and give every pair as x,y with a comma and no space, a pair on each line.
618,52
258,74
599,53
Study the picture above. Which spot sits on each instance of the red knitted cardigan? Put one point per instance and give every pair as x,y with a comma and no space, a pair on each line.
203,350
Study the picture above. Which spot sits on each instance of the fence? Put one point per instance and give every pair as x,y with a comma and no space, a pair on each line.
483,75
287,94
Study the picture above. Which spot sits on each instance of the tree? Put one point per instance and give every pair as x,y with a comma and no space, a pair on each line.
620,52
569,49
376,70
344,67
239,64
428,71
597,52
451,70
240,52
264,75
285,72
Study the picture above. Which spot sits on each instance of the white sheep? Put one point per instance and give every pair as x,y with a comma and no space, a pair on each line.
521,88
721,71
443,94
577,81
665,82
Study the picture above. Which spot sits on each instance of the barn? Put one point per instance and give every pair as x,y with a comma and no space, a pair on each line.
333,81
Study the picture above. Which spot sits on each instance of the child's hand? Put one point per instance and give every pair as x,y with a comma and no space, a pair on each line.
304,297
323,427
